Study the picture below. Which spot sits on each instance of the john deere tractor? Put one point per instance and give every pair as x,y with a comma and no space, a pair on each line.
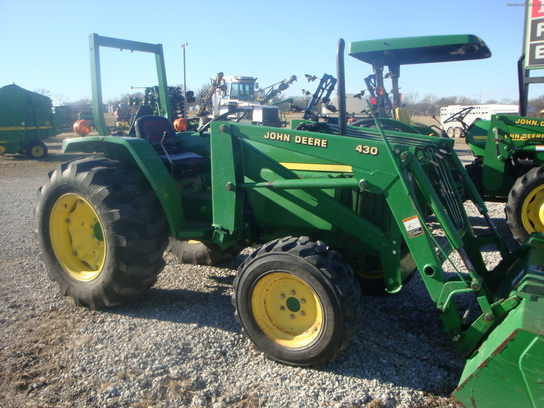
334,210
508,149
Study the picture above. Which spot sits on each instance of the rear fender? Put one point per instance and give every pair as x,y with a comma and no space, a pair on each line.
138,152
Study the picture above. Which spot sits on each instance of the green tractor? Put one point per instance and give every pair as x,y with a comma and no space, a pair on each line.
26,118
509,155
508,149
334,210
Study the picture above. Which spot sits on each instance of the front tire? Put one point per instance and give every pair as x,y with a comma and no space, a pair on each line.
525,205
297,302
36,150
101,231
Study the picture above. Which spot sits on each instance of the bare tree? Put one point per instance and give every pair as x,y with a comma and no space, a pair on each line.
60,99
410,98
44,92
428,105
463,100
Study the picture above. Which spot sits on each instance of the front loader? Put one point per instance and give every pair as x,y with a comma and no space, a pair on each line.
334,210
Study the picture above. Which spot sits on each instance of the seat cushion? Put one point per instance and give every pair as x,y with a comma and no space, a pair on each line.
184,164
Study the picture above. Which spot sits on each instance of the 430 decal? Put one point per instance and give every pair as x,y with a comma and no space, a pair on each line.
364,149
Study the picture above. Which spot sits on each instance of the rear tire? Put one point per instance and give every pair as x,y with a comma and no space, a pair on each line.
297,302
201,253
36,150
525,205
101,230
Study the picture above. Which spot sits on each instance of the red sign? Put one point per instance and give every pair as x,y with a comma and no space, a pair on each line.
537,9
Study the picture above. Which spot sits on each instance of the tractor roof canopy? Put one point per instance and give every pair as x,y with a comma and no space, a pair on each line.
419,50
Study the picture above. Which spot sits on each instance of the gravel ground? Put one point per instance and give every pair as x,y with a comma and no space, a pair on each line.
179,344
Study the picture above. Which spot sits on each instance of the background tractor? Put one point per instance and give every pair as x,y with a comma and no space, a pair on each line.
334,210
240,98
509,155
450,115
26,118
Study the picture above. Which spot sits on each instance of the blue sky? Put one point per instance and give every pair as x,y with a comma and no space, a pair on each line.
44,44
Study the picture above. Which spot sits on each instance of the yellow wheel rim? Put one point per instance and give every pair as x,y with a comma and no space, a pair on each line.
287,310
37,151
77,237
532,211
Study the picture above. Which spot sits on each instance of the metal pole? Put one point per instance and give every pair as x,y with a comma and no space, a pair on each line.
184,79
342,115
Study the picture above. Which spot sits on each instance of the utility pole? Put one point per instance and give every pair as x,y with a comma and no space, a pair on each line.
184,77
184,72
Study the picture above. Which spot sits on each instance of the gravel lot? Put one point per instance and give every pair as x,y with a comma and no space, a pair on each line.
179,344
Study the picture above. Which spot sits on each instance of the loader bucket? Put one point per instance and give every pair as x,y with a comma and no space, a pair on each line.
507,370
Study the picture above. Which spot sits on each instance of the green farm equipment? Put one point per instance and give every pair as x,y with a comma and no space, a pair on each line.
328,205
508,149
25,119
508,167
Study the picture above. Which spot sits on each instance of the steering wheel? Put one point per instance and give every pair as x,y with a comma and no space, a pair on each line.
459,116
219,118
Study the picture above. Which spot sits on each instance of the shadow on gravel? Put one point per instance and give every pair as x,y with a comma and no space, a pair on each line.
401,341
480,227
50,158
210,308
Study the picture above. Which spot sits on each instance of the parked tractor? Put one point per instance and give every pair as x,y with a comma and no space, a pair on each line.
509,155
334,210
508,149
240,98
450,115
26,118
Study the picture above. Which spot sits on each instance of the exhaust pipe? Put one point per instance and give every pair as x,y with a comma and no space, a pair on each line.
342,116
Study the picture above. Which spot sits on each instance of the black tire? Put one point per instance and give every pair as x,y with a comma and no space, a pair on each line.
201,253
101,230
316,317
525,200
36,150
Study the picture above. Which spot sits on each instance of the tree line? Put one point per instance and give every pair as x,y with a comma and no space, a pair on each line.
428,105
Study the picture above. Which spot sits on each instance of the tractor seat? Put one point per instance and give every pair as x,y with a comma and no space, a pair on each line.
160,133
